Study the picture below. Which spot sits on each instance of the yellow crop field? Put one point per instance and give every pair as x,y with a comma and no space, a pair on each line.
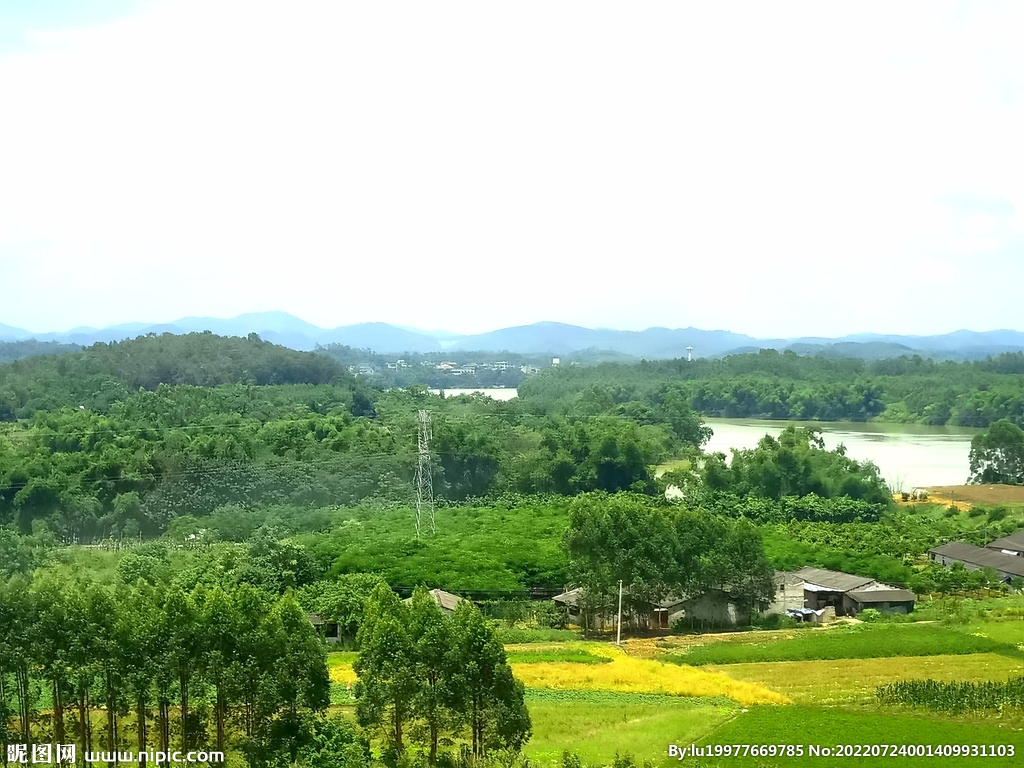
854,680
634,675
341,672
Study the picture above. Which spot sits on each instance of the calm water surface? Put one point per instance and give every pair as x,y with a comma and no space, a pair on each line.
908,455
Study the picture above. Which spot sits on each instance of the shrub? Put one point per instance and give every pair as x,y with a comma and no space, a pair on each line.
996,514
870,614
777,621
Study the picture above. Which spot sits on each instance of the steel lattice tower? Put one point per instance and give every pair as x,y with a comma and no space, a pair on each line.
424,476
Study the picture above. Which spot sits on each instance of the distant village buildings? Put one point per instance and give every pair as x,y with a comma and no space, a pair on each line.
452,367
808,594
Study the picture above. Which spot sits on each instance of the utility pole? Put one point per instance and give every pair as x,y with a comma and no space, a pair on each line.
424,476
618,634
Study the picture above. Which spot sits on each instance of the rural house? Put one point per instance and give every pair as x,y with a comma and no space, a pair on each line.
658,615
328,630
1009,545
880,597
826,589
789,593
446,601
976,558
848,595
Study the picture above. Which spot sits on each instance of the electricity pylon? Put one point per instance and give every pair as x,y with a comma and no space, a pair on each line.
424,477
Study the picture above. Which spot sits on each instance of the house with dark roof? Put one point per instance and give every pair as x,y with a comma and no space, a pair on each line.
446,601
1009,545
659,615
826,589
846,594
881,597
977,558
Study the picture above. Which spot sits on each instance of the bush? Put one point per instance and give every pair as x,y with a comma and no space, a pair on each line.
551,616
777,621
870,614
996,514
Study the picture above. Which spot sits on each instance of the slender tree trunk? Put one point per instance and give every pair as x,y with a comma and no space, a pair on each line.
165,725
221,712
111,717
84,726
3,731
432,759
183,681
140,717
399,746
24,705
58,713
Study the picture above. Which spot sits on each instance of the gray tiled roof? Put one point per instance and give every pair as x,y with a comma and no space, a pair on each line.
1013,541
834,580
983,558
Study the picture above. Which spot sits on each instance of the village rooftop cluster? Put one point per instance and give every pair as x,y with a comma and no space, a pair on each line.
452,367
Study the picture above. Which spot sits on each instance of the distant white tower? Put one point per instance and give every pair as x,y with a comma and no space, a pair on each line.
689,354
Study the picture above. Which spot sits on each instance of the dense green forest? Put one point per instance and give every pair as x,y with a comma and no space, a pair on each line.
788,386
16,350
124,439
120,439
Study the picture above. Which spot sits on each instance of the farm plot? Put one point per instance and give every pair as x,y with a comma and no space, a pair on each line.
853,681
632,675
598,724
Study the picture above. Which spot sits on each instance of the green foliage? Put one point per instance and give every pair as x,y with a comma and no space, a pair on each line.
335,742
957,696
476,548
567,655
16,350
120,440
863,642
341,601
788,386
997,455
94,648
519,635
795,464
656,550
449,673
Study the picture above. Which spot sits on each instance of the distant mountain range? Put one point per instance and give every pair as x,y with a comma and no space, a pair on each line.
547,338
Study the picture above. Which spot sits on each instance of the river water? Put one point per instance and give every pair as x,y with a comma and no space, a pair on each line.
908,455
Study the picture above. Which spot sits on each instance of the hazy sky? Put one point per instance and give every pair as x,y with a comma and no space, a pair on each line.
776,169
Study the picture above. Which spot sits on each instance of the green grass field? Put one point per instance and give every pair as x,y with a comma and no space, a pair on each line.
597,724
853,681
541,655
855,642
